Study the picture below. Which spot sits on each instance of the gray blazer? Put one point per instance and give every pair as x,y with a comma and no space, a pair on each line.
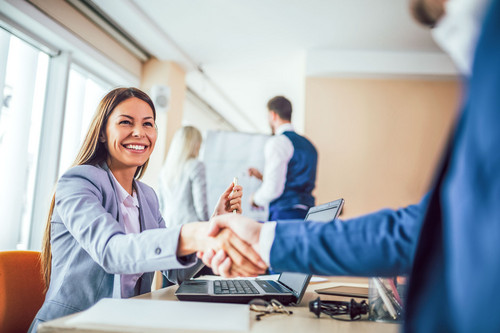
186,201
90,248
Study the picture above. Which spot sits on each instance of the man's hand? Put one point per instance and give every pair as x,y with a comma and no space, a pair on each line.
247,229
253,172
229,201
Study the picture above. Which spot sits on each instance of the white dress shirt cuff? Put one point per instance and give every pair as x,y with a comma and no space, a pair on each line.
266,239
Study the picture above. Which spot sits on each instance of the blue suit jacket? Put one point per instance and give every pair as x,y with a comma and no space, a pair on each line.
90,247
456,268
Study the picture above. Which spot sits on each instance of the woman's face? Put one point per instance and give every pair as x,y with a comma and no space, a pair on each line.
130,134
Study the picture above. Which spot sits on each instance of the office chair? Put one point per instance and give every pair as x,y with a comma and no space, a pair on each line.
21,289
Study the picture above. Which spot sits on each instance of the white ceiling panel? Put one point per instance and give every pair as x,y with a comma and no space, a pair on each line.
253,50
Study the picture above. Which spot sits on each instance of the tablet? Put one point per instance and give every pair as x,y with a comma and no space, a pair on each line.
361,292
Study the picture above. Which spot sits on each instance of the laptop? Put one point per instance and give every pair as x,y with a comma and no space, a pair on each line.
289,288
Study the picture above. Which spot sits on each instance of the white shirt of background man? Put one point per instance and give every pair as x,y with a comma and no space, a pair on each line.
277,153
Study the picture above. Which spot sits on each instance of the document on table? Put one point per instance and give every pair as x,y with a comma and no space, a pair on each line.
318,279
155,314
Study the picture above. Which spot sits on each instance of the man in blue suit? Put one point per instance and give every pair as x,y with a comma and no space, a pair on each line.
455,269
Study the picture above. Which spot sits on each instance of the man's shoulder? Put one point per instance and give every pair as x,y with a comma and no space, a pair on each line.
294,138
280,140
293,134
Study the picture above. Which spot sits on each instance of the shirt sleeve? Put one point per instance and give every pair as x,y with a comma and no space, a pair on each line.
266,239
277,153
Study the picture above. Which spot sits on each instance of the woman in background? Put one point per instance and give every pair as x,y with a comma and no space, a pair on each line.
183,184
105,235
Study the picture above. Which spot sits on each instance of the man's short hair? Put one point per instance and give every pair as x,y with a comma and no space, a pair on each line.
427,12
281,106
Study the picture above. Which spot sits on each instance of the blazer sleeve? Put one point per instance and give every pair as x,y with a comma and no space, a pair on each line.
192,265
378,244
81,197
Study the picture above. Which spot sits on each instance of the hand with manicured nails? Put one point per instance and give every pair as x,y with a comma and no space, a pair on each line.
229,201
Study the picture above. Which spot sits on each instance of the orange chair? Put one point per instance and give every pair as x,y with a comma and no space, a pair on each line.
21,289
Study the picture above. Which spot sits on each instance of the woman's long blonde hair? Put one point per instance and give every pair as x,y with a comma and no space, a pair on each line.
184,147
93,152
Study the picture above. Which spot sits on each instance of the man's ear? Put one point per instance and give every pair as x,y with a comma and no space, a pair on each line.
273,114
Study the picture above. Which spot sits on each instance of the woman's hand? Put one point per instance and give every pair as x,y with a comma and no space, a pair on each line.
229,201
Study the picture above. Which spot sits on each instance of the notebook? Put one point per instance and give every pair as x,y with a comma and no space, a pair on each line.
289,288
350,291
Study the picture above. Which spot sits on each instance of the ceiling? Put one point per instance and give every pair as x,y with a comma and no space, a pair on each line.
238,54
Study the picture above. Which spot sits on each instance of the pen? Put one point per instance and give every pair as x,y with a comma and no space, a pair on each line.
235,182
384,297
394,291
398,305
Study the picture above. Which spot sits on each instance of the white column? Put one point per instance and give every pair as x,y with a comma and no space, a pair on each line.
50,143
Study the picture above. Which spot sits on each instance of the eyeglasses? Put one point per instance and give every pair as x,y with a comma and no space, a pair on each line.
267,308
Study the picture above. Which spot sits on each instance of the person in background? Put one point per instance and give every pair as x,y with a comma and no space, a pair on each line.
455,267
290,167
183,185
105,234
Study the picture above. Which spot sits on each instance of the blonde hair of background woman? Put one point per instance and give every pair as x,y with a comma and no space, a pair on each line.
184,147
93,152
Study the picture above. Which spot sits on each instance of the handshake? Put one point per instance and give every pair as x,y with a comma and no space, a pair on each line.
238,255
229,243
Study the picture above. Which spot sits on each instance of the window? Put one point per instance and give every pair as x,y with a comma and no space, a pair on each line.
23,77
49,91
84,94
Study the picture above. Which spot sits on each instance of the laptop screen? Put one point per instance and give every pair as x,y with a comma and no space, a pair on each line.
322,213
325,212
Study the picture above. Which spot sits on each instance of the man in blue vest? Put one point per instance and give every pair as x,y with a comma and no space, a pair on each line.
290,167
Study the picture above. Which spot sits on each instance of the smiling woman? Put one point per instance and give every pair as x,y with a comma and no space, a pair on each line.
105,234
130,138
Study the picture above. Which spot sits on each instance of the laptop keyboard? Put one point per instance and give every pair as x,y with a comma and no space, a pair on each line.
234,287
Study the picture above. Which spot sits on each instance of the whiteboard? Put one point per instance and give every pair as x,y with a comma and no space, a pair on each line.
227,155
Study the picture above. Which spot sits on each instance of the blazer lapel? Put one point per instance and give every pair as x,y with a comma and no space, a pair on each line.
146,217
118,217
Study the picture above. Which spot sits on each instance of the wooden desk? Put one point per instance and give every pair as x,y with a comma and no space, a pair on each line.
300,321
